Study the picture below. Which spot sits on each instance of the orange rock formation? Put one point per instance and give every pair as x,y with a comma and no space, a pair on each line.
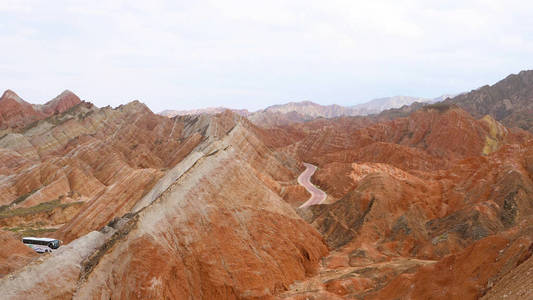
433,204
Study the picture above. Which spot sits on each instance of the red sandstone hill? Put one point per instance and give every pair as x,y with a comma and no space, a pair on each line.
59,104
410,195
195,199
15,254
88,156
17,113
430,204
430,138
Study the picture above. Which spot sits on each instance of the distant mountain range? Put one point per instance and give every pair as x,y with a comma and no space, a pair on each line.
509,101
209,110
374,106
306,110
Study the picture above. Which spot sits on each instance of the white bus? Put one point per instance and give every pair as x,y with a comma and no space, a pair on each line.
41,245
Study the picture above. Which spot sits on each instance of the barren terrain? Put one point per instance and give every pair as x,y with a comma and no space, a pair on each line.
426,202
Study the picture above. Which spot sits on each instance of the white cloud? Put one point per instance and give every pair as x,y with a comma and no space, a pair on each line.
255,53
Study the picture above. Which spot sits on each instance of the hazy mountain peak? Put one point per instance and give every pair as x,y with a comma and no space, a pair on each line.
209,110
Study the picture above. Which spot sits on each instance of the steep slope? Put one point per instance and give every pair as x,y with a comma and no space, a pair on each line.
468,274
430,138
121,198
216,229
15,254
407,194
509,101
423,202
86,157
59,104
516,284
16,113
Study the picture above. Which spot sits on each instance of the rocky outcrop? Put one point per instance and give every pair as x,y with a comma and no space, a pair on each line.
429,139
509,101
407,194
91,157
434,203
517,283
215,228
469,274
54,276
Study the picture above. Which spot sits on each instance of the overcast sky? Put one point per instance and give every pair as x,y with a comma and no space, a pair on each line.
251,54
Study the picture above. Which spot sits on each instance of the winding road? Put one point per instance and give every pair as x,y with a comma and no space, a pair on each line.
317,195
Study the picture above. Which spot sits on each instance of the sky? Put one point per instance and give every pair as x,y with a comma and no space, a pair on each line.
251,54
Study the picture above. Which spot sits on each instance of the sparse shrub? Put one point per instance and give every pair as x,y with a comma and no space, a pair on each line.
440,107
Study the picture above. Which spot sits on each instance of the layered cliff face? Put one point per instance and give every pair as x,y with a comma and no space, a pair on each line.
444,133
214,227
410,195
15,113
426,203
232,238
82,164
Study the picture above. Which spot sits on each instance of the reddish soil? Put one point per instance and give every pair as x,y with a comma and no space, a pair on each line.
434,204
14,254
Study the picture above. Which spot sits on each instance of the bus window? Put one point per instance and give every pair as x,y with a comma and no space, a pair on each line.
54,244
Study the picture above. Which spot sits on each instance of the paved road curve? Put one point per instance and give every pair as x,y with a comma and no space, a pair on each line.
317,195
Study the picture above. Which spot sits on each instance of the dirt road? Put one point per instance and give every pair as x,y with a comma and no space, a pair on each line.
317,195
